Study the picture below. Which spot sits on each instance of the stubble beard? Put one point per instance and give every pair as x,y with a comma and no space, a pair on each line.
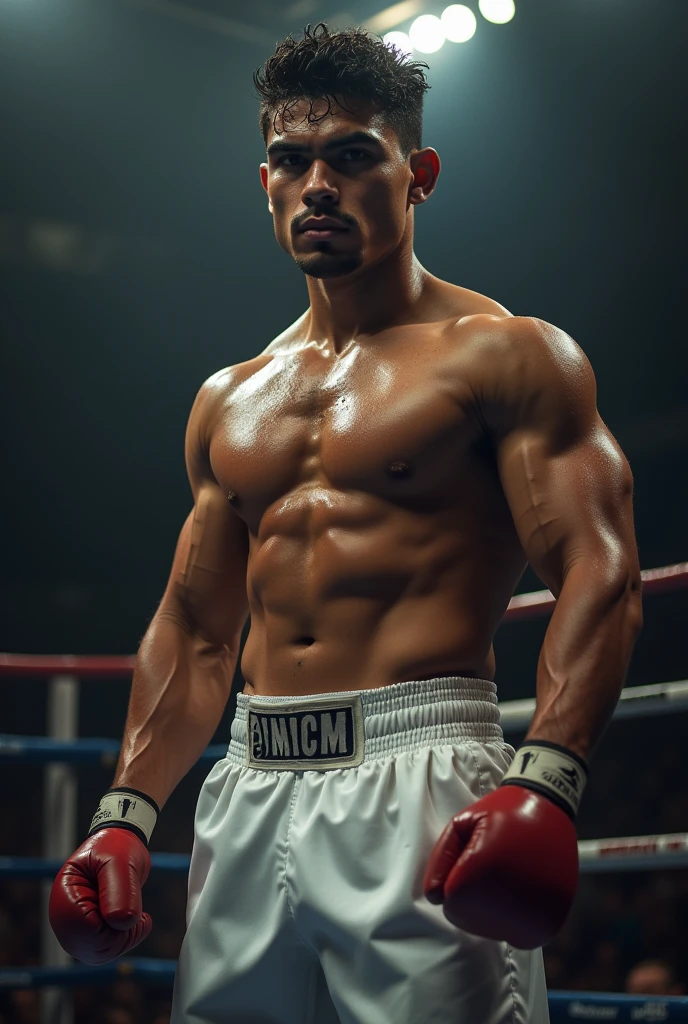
329,265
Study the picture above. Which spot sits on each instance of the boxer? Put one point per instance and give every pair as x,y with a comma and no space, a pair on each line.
369,489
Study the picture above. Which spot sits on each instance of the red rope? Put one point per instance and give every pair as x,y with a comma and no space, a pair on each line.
21,666
655,581
522,606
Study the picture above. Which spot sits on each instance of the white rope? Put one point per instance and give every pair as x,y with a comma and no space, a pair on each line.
658,699
634,853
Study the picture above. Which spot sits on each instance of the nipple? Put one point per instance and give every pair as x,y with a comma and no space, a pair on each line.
398,470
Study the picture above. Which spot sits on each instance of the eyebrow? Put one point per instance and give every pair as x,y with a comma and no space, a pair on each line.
344,140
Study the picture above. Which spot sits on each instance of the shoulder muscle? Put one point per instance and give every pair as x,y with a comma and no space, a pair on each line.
206,407
532,375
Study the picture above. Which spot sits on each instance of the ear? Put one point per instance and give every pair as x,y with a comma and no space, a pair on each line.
264,182
425,168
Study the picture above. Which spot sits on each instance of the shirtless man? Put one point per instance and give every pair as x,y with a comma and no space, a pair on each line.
369,490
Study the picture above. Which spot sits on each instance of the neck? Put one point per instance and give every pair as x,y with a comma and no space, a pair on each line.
368,300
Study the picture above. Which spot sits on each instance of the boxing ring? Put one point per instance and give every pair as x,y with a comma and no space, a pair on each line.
62,751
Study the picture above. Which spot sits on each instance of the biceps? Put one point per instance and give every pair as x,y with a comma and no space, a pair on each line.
571,504
208,579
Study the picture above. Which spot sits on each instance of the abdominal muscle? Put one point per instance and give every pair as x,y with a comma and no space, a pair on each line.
310,664
323,623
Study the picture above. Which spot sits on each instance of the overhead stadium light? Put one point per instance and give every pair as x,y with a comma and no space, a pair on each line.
426,34
459,23
392,16
497,11
400,41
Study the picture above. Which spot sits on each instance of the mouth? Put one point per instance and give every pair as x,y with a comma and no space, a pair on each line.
322,232
320,228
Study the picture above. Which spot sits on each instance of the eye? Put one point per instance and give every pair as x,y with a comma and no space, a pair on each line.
359,154
290,156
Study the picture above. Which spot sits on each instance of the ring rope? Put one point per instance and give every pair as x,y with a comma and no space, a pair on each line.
634,853
563,1005
625,853
47,867
657,699
634,701
655,581
522,606
138,968
44,749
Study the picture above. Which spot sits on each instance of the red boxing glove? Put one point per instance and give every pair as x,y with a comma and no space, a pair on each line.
95,905
506,867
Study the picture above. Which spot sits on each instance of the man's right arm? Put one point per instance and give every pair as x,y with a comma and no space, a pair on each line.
188,656
182,679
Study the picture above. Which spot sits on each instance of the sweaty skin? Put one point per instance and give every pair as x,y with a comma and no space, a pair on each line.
370,487
381,546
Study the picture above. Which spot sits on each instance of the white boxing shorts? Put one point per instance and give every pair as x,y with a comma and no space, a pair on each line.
305,900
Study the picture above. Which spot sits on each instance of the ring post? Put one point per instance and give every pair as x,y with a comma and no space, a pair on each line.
59,832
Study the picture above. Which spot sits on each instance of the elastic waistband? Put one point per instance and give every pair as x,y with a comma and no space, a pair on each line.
337,730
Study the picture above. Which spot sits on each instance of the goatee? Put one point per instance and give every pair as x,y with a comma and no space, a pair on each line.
329,265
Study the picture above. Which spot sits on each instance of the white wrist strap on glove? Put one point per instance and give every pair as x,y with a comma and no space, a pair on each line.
126,808
551,770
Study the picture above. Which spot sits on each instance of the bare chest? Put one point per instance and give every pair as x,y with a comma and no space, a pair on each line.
392,424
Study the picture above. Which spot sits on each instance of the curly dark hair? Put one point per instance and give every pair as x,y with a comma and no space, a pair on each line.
335,65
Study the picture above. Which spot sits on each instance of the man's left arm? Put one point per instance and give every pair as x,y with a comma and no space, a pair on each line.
569,488
506,867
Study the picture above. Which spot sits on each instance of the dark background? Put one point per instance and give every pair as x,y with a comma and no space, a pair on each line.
137,257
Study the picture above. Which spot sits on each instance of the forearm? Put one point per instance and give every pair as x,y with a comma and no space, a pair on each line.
180,689
585,656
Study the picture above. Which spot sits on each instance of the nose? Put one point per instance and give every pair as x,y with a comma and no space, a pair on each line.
320,189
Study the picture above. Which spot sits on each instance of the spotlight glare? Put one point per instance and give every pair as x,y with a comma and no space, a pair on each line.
400,41
497,11
459,23
427,34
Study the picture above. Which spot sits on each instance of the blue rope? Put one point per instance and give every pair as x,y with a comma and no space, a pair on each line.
137,968
563,1006
40,867
84,751
579,1006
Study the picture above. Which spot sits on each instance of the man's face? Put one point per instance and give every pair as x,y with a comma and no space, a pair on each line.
649,979
346,169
